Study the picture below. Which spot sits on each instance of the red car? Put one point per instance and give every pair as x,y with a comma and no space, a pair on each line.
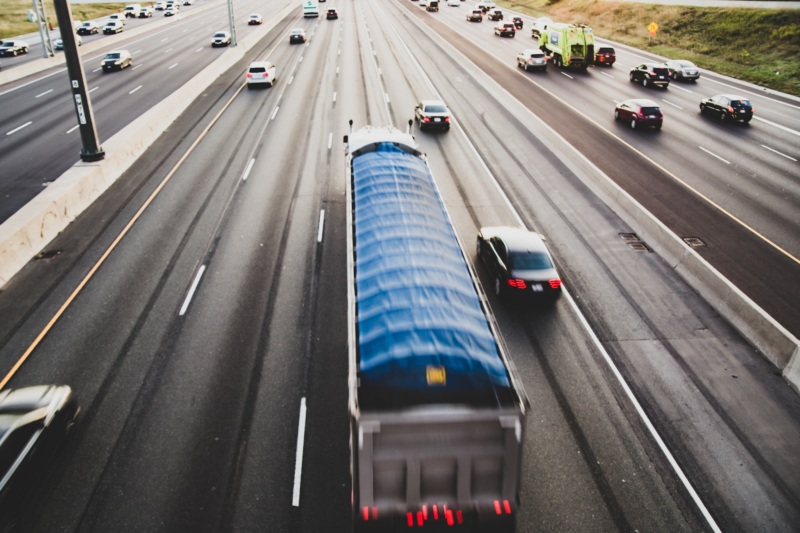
639,112
605,56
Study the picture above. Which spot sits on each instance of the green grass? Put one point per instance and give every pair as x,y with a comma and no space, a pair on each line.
761,46
14,18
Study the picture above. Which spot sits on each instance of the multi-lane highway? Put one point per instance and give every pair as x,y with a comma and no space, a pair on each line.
202,300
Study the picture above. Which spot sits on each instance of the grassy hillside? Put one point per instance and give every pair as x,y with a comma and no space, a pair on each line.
758,45
14,18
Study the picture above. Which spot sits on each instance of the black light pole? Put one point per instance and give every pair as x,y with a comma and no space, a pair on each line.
90,150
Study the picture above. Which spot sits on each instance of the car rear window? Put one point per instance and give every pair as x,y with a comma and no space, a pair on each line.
531,261
605,51
435,109
742,104
651,111
258,69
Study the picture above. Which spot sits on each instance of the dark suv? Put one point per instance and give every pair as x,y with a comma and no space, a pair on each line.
728,107
651,74
605,56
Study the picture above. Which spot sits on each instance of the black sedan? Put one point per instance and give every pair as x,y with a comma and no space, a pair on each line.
728,107
34,421
519,263
517,22
651,74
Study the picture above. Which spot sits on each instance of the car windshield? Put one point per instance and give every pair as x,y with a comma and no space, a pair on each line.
297,32
219,35
531,261
650,111
435,109
112,56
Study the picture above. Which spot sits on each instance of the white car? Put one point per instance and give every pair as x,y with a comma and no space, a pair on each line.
58,43
145,12
539,25
160,6
12,48
221,38
454,3
119,17
170,11
485,5
423,3
260,73
112,26
116,60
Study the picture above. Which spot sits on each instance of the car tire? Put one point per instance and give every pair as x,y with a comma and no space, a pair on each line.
498,288
633,124
644,82
723,116
631,77
616,114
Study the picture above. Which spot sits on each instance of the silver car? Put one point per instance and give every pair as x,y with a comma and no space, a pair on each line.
680,69
532,58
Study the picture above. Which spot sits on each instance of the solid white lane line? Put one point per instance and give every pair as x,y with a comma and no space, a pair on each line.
193,288
298,458
44,93
709,152
248,169
15,130
321,225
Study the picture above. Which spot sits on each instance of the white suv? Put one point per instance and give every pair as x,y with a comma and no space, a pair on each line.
260,72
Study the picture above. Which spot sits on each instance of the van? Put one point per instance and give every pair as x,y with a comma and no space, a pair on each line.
132,10
310,8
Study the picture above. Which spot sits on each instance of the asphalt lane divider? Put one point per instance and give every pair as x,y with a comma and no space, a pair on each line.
32,228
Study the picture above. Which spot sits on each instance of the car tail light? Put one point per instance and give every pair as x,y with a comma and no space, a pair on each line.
447,119
249,75
517,283
426,119
505,508
555,283
730,109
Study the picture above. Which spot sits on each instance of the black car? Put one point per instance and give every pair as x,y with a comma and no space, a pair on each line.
651,74
34,422
432,114
496,15
517,22
519,263
728,107
297,35
639,112
332,14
